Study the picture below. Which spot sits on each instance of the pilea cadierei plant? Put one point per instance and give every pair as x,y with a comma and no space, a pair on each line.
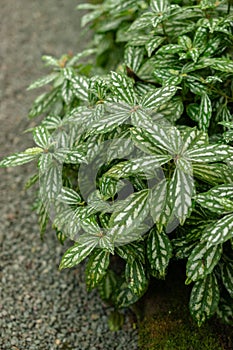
134,154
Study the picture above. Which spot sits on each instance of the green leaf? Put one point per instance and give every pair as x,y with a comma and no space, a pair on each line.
158,97
212,173
204,299
96,268
221,64
153,44
159,252
202,261
132,251
44,102
215,204
122,88
125,297
135,276
78,252
107,285
225,311
205,112
210,153
80,85
220,231
51,183
41,136
132,212
159,6
43,81
181,191
158,200
227,276
17,159
133,57
67,92
143,166
200,37
69,196
115,321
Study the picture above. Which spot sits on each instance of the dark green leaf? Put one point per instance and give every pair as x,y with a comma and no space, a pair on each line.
204,299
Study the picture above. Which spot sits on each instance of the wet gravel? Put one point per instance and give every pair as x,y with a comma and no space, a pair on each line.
40,307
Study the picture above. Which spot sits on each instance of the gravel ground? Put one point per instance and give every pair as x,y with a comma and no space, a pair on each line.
40,307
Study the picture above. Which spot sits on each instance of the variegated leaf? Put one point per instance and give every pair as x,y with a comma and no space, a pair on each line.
125,297
219,205
220,231
181,191
158,97
43,81
132,251
18,159
210,153
212,173
51,182
159,252
44,102
158,200
132,213
69,196
153,44
159,6
122,88
204,299
96,268
109,122
144,165
133,57
227,276
41,136
205,112
78,252
135,276
143,142
159,136
202,261
80,85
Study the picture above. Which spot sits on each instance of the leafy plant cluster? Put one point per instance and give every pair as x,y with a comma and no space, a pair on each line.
157,134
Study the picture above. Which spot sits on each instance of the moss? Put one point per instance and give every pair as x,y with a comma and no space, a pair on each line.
168,333
166,323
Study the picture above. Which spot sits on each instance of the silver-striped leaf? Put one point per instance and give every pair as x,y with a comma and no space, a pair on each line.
205,112
220,231
18,159
158,97
227,276
215,204
69,196
133,57
181,191
41,136
210,153
96,268
132,212
78,252
135,276
43,81
204,299
122,88
159,252
202,261
80,86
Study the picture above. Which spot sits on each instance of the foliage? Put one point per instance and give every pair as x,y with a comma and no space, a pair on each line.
135,165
